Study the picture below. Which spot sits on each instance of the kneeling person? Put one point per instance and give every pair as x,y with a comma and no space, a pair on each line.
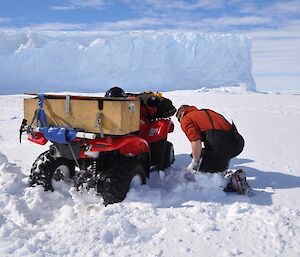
221,139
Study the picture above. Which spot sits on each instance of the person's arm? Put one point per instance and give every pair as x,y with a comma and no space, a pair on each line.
196,150
194,136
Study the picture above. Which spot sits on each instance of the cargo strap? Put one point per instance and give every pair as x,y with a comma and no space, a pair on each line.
55,134
39,117
39,114
42,116
210,119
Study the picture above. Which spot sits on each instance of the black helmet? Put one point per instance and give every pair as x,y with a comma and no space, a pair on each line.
115,92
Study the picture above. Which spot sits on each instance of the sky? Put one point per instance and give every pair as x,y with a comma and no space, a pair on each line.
274,26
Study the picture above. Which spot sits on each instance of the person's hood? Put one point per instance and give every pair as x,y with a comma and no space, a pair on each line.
190,109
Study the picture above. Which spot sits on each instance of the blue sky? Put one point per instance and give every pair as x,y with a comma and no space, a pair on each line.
273,25
207,15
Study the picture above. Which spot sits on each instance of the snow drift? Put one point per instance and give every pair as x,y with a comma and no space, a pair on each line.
94,61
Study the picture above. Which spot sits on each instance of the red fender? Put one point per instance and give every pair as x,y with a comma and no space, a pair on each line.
127,145
156,130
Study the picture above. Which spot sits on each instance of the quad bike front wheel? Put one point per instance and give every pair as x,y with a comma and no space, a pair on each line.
114,182
45,168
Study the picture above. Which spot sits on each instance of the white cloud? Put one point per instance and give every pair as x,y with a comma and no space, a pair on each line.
232,12
276,56
245,7
131,24
284,7
52,26
287,30
168,5
236,21
169,23
4,20
181,14
183,5
77,4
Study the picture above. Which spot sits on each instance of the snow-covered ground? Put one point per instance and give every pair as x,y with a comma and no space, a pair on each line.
168,216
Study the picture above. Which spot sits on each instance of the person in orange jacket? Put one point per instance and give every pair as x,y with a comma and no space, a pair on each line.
220,138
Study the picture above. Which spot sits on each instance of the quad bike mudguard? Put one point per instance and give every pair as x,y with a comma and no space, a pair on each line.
156,130
37,138
129,145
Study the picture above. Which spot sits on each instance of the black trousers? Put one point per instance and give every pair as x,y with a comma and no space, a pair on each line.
214,162
220,147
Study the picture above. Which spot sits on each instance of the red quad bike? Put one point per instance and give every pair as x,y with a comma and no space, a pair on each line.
107,163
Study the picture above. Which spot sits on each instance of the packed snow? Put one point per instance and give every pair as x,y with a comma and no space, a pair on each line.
168,216
69,61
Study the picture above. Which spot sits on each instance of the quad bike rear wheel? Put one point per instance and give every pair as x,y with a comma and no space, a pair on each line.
45,168
114,183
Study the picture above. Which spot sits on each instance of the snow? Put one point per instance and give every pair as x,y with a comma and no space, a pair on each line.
95,61
168,216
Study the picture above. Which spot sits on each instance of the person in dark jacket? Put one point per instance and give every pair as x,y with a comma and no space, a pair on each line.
220,138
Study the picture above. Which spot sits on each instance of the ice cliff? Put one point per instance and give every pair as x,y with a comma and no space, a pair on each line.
94,61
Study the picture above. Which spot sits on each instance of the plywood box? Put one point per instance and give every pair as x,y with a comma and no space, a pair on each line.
108,116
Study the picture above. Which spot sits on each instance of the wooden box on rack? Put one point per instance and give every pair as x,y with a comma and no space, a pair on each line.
108,116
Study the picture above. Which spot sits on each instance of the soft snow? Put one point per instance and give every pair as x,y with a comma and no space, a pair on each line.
136,61
168,216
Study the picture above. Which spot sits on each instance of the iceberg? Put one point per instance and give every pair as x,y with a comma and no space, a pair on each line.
135,61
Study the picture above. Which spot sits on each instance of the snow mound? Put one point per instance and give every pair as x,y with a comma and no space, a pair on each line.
134,60
3,159
238,89
32,220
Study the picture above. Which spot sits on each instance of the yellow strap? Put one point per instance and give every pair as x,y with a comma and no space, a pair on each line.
158,94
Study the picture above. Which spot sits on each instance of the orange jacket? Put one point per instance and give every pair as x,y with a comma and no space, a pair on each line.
196,121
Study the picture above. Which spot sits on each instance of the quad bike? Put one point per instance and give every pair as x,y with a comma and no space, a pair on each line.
106,163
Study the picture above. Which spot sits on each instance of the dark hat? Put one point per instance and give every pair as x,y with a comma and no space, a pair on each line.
115,92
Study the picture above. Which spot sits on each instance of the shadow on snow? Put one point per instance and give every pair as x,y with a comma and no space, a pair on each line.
172,189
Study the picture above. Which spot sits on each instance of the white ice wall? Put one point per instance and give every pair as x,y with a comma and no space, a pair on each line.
93,62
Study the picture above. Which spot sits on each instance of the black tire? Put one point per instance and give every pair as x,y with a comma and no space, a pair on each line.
114,182
169,155
45,168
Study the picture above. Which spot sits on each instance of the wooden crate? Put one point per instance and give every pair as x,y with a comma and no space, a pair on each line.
108,116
